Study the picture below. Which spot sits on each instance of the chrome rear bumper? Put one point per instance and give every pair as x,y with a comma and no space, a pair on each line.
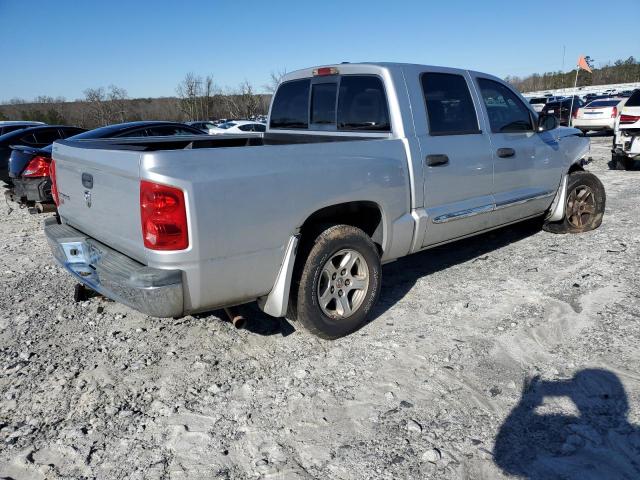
149,290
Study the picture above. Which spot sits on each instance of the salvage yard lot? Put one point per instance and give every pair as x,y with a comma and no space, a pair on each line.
441,384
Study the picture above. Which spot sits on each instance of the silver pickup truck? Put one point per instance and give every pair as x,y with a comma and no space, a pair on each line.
361,164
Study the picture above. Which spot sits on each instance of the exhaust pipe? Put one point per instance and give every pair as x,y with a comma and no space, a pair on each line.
45,207
235,318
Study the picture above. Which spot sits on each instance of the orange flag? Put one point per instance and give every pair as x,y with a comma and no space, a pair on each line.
582,63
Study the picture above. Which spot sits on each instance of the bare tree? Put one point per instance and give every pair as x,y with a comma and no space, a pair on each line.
274,80
188,91
106,106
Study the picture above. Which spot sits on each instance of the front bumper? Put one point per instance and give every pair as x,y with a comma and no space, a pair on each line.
152,291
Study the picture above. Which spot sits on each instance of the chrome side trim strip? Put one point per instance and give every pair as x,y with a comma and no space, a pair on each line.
472,212
521,200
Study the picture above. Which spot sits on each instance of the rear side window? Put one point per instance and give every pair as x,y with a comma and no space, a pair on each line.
29,139
47,137
291,106
634,99
506,111
362,104
449,105
323,103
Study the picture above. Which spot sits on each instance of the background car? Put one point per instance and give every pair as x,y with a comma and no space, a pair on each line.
36,137
598,115
10,126
205,126
29,166
236,127
562,109
626,142
538,103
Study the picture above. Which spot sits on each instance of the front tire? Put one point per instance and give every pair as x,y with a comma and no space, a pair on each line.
339,283
584,207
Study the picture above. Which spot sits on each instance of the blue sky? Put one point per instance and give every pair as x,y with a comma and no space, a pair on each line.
62,47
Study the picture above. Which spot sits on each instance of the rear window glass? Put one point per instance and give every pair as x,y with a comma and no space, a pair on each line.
449,105
604,103
291,106
536,101
634,99
323,103
362,104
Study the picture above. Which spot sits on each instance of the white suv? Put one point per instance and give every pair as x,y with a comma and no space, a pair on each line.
626,143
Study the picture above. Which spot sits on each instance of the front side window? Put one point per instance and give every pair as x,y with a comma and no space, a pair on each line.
449,106
507,113
362,104
323,103
291,105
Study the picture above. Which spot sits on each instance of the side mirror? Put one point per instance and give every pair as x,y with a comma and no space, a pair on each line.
547,122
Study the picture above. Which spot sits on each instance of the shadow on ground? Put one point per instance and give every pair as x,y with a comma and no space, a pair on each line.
598,442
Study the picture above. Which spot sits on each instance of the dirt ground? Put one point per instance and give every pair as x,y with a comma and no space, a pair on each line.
511,355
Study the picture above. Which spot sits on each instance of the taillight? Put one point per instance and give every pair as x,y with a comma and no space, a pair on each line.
54,186
37,167
614,112
629,118
164,217
574,114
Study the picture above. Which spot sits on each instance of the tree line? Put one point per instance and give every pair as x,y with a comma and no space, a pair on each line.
197,98
620,71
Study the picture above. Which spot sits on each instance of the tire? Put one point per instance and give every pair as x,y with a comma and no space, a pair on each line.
620,162
584,207
332,302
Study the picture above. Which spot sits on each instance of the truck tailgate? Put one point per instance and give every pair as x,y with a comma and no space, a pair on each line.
99,194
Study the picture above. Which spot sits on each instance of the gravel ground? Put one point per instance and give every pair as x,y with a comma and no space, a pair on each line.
511,355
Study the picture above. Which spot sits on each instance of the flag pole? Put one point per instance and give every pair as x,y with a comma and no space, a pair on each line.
573,96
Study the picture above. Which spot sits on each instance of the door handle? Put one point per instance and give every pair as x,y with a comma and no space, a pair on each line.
506,152
437,160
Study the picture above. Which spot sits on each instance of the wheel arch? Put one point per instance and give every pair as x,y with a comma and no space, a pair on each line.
363,214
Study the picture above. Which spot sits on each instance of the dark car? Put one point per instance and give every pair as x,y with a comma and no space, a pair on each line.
7,127
36,137
562,109
29,166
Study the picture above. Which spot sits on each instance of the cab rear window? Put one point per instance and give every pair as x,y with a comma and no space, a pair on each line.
361,105
291,105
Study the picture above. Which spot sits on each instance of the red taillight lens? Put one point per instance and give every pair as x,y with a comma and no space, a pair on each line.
164,217
629,118
614,112
37,167
54,186
574,114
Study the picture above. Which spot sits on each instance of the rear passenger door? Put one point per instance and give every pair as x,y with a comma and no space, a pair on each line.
458,165
527,164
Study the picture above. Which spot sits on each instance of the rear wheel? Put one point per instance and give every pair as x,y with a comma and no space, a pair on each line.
339,283
584,207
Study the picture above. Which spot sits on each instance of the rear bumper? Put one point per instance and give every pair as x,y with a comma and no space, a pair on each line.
149,290
587,124
32,190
